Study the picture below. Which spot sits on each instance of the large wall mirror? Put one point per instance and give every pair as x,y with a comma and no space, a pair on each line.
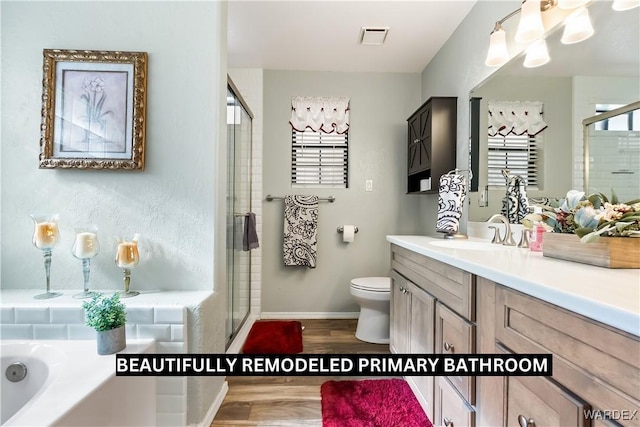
601,71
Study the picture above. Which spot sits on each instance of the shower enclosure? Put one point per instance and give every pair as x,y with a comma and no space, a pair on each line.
239,119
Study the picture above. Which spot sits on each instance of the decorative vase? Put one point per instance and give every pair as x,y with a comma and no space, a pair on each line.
111,341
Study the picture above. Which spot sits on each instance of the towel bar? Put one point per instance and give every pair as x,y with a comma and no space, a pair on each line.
270,198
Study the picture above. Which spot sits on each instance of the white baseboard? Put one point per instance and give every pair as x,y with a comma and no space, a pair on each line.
215,406
238,341
310,315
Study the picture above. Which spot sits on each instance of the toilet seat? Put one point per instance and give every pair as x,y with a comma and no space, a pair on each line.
372,284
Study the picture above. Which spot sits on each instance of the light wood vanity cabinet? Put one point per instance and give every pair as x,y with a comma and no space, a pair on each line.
412,317
596,368
435,300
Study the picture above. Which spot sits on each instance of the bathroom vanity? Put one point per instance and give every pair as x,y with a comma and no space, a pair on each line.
474,297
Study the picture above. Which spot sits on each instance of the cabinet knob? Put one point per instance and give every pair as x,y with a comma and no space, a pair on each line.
447,346
447,422
526,422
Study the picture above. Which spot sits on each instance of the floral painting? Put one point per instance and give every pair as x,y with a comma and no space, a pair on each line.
93,109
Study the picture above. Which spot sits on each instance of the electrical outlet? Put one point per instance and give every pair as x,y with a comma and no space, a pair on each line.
368,185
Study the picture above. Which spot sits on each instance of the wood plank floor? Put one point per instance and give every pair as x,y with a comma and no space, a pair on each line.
291,401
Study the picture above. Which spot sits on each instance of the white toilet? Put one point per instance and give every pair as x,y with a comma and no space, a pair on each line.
372,294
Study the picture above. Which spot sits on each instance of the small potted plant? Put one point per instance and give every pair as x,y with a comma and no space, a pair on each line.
107,315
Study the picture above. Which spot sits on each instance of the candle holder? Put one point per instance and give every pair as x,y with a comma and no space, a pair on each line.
85,247
127,257
45,237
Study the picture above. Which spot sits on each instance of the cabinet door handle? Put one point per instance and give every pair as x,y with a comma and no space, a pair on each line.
447,421
526,422
415,141
447,346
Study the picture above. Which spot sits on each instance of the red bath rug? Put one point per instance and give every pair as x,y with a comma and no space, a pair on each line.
274,337
371,403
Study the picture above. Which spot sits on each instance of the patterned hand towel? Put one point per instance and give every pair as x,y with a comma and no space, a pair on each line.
300,230
452,192
517,200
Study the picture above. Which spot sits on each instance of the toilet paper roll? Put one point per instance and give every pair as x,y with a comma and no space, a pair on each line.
348,233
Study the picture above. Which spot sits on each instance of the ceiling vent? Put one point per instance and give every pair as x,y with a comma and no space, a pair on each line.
373,35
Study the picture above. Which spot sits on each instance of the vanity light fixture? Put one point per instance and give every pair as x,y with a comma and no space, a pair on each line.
621,5
537,54
577,27
530,27
531,30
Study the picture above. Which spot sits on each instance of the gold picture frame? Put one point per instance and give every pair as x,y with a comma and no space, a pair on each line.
93,109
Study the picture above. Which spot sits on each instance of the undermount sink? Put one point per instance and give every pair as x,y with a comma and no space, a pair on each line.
468,245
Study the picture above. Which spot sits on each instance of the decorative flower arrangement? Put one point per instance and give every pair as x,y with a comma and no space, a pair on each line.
589,217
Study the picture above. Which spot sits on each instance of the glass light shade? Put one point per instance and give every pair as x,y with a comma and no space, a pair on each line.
537,55
571,4
577,27
621,5
498,53
530,26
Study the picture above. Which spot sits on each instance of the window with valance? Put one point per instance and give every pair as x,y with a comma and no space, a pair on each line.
319,136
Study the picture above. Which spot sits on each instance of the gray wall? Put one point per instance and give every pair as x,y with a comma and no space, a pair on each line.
380,106
556,160
456,69
175,203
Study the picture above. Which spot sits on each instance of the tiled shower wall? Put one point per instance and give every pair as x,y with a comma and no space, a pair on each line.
249,82
166,325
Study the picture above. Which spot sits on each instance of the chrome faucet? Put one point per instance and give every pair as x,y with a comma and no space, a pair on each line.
508,238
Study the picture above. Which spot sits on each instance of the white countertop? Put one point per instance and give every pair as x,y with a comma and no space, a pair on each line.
610,296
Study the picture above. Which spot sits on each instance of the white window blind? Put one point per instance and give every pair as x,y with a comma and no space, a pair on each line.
319,158
518,153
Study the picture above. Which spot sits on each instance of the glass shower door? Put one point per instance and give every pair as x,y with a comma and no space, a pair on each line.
238,205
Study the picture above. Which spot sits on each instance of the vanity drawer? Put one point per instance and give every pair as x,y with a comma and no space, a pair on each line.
592,360
451,408
452,286
454,335
536,401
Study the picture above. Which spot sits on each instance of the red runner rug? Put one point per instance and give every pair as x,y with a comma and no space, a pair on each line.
274,337
371,403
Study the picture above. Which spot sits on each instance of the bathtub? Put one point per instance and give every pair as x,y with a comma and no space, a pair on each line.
69,384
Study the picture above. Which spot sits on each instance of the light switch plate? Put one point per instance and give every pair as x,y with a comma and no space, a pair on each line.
368,185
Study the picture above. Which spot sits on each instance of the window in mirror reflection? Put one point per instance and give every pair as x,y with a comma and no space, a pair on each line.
624,122
518,153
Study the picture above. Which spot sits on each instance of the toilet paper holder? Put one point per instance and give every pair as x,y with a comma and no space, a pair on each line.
341,229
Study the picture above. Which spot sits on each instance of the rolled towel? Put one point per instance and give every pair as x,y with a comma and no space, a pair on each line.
452,192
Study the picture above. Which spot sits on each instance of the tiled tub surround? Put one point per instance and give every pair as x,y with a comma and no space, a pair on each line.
161,316
609,296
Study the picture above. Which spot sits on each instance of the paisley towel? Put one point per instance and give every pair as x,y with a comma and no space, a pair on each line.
517,199
300,230
452,192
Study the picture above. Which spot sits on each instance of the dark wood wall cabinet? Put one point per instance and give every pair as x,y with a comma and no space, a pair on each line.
432,143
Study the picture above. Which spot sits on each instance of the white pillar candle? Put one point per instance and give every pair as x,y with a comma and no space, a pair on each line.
127,255
86,245
46,235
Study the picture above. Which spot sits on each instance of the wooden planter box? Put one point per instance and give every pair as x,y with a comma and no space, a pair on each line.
610,252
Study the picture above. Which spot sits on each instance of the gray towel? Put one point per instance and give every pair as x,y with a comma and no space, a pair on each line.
300,230
250,236
452,192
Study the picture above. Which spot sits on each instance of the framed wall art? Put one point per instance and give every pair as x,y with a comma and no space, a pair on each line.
93,109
